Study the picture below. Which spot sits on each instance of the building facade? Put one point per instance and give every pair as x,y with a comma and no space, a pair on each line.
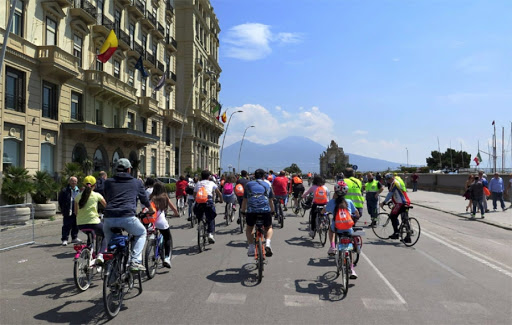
332,160
59,104
198,90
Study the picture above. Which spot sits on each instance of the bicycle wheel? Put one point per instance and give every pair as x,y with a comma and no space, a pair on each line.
260,259
281,217
201,235
82,273
112,288
337,258
242,223
383,227
322,228
412,230
227,213
150,258
345,273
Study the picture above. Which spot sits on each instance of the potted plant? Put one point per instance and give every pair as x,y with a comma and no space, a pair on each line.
15,186
44,188
71,169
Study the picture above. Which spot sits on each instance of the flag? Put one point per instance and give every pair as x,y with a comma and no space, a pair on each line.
108,48
160,84
216,108
218,112
478,159
224,117
492,122
139,66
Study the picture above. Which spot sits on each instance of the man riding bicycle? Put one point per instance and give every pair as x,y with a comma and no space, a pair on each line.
320,197
401,201
121,194
279,186
204,202
297,188
181,193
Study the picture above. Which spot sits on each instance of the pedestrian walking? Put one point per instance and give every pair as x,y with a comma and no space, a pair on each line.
497,187
509,189
467,193
67,207
414,179
483,178
477,196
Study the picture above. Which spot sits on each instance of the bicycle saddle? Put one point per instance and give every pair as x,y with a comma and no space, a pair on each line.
357,228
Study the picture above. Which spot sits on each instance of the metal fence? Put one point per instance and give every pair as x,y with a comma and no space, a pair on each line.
16,225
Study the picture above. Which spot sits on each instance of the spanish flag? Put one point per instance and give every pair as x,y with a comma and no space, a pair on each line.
108,48
224,117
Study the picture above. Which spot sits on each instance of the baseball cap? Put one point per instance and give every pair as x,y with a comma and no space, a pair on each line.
89,180
123,164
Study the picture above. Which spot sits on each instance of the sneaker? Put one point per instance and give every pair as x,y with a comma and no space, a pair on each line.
76,241
64,243
250,250
189,219
311,234
494,210
238,221
353,274
486,210
331,251
407,240
211,240
483,216
472,216
99,260
394,236
135,267
268,251
373,224
167,262
285,209
503,209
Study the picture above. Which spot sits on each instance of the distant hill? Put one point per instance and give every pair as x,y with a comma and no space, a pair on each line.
295,149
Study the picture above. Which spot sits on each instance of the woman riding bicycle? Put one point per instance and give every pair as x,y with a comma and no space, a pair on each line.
162,202
228,191
321,197
342,210
86,203
181,186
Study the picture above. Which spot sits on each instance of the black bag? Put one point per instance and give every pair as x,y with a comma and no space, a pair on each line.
189,190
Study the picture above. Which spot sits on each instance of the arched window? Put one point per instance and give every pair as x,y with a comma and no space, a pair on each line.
100,160
79,153
118,154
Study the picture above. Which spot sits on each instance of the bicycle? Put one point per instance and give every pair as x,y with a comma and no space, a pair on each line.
181,206
346,246
323,223
229,213
202,233
242,219
154,253
409,227
85,260
193,218
118,279
278,210
259,241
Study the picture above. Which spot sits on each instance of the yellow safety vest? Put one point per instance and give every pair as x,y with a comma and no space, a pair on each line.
402,183
354,191
372,186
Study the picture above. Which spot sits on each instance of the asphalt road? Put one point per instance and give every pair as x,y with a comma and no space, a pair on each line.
460,272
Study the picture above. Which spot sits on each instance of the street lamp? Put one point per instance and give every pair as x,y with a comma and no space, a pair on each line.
407,150
223,139
241,143
185,115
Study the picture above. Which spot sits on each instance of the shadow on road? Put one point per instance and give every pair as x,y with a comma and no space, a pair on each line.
185,250
302,241
324,261
237,243
91,315
58,290
244,275
325,286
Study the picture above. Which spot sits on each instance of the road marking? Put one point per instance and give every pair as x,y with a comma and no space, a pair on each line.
453,246
156,296
383,304
498,243
301,301
390,286
227,298
464,307
444,266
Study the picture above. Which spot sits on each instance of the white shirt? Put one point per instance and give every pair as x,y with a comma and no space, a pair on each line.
208,185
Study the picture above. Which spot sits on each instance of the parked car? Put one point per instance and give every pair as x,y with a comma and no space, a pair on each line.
167,180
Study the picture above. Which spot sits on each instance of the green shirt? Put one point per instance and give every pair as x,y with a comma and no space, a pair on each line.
88,214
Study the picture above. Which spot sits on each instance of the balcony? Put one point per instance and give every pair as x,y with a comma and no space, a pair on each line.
84,10
158,32
123,2
158,69
169,9
56,62
64,3
103,85
203,93
149,60
121,136
136,50
199,64
170,78
103,26
174,117
136,8
171,44
124,39
203,116
148,106
213,102
149,20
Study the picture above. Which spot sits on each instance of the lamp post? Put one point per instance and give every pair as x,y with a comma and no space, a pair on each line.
223,139
241,143
407,151
185,115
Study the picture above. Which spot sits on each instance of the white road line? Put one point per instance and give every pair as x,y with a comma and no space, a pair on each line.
390,286
498,243
227,298
444,266
470,255
301,301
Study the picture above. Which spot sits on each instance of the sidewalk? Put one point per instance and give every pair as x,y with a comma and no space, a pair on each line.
456,205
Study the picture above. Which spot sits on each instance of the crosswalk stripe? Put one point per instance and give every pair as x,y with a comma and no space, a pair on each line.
301,301
227,298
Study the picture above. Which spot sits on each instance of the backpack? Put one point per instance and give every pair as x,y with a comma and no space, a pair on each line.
320,196
239,190
189,190
202,195
343,220
150,218
228,188
258,202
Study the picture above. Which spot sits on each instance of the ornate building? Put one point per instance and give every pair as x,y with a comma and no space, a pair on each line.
331,158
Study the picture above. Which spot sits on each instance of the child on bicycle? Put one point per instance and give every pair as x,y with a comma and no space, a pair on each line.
342,210
86,203
228,191
162,202
320,197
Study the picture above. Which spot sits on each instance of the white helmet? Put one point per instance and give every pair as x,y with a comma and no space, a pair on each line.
341,188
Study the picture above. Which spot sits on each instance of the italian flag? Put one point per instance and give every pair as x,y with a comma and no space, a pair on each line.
478,159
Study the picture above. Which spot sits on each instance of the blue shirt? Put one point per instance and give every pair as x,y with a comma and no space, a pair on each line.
496,185
257,201
332,205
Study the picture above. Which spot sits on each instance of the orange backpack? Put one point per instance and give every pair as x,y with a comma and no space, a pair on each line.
202,195
151,218
239,190
343,220
320,196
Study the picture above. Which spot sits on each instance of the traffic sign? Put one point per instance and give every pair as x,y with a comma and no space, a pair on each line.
354,167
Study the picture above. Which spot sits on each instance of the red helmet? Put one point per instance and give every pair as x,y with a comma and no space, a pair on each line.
341,188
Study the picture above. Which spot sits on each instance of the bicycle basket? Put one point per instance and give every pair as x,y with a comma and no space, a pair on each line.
116,242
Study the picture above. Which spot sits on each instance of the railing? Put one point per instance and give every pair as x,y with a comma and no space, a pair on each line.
160,66
169,7
151,17
123,36
161,29
105,21
170,40
150,57
77,116
86,6
138,48
171,75
141,6
16,103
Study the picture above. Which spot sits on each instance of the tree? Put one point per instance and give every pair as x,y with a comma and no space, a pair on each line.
293,169
459,159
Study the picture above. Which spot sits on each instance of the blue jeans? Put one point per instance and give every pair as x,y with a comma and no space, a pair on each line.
69,225
133,226
414,186
495,197
480,204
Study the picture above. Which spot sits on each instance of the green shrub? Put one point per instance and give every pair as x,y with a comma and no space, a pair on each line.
44,187
72,169
170,187
16,185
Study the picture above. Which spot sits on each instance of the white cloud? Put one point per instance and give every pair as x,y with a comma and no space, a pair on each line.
278,108
360,132
252,41
396,59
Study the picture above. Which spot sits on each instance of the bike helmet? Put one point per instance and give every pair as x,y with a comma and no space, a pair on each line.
341,188
388,176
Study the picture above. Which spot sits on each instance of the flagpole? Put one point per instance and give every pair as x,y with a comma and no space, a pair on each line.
494,148
6,34
502,149
440,157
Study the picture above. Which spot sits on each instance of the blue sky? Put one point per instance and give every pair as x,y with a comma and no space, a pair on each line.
377,76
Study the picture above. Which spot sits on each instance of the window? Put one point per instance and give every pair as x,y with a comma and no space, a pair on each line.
168,136
167,163
51,32
144,41
142,159
18,19
99,64
50,108
131,31
117,20
15,90
144,124
153,127
131,119
155,13
153,161
13,146
47,157
77,48
131,75
117,68
76,107
143,87
155,48
99,113
116,120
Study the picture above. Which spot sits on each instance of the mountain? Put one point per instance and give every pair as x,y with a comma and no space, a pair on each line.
295,149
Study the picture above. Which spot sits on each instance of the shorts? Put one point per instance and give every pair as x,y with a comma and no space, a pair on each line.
297,190
229,198
251,219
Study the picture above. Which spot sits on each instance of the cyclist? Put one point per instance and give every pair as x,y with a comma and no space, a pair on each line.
279,186
310,178
271,176
162,203
87,216
402,183
204,202
355,191
343,211
181,185
228,191
239,190
190,196
297,188
258,200
149,183
121,194
401,201
320,197
373,188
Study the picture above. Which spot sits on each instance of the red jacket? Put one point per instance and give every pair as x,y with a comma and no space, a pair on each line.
180,188
279,185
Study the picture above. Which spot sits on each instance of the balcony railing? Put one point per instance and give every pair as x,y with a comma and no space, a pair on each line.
138,48
171,43
160,66
137,8
103,25
151,58
151,17
170,78
85,10
169,8
161,29
123,37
